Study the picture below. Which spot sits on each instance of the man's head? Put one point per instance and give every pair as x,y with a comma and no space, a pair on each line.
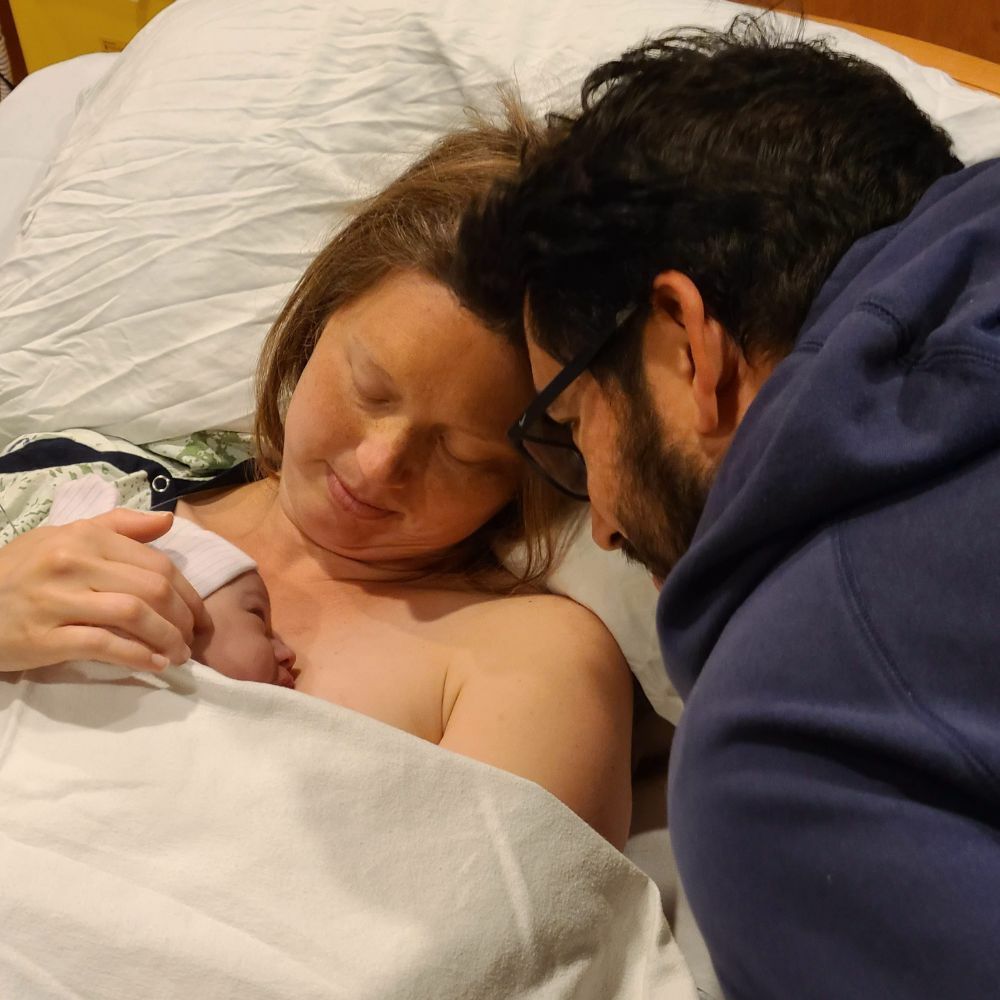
672,241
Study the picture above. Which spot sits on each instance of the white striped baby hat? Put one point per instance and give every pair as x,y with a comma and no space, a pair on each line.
206,559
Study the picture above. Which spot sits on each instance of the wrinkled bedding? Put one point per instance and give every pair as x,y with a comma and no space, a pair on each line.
204,171
189,835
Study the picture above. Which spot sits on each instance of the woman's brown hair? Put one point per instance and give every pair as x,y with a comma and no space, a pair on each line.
413,224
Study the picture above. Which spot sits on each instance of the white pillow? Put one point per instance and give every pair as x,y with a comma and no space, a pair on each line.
202,173
228,140
34,121
624,598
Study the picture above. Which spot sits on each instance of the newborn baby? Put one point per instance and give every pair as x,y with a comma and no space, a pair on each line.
240,642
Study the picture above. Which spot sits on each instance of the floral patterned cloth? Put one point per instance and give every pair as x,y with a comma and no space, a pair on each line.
146,477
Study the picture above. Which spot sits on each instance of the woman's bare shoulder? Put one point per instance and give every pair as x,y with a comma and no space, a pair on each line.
544,692
538,619
531,620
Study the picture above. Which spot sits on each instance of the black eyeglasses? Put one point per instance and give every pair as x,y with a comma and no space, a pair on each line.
549,445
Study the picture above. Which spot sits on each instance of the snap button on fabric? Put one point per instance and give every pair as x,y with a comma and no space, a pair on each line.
160,484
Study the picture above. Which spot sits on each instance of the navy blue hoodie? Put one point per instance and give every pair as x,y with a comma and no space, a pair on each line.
835,629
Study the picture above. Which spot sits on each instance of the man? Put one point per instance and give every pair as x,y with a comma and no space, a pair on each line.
763,308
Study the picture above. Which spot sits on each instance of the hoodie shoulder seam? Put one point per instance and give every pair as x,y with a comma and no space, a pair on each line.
909,696
919,361
884,312
957,353
868,306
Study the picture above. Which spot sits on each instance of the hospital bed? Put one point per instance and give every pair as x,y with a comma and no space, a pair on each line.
166,199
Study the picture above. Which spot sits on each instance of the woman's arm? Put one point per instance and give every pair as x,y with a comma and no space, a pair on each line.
92,590
548,697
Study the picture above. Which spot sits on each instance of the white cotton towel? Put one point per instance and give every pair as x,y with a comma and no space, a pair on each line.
186,835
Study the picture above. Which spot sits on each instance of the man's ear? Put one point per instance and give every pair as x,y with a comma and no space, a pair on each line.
711,355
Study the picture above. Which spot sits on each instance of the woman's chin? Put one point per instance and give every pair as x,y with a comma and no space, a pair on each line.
370,544
330,528
385,543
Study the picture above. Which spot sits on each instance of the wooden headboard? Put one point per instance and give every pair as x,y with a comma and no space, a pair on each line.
971,26
961,37
967,69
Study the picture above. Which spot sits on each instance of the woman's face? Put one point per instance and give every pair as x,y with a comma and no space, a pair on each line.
395,437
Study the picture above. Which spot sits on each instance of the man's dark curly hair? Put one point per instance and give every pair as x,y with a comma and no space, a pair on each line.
746,160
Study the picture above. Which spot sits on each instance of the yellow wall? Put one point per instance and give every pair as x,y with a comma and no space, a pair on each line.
52,30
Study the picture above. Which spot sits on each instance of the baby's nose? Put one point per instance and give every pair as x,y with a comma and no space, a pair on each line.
283,653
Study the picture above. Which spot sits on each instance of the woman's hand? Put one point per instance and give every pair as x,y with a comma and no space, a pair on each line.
91,590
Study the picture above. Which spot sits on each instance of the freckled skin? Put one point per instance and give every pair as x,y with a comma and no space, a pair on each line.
407,399
420,396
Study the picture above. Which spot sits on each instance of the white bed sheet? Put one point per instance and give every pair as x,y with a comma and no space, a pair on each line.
187,835
34,121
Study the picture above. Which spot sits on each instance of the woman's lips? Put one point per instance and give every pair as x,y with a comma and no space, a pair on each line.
347,501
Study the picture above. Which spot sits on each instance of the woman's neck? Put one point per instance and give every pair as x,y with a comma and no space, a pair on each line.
252,518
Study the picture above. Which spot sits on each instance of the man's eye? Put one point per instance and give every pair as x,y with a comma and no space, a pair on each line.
559,421
567,427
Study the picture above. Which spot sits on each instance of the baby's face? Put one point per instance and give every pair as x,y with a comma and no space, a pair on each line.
241,643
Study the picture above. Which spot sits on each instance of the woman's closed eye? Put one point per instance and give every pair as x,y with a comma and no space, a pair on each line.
370,395
467,462
372,384
465,459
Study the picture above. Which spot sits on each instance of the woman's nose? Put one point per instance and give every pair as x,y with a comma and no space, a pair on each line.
382,455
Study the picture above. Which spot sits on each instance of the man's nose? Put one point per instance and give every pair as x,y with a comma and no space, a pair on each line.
605,533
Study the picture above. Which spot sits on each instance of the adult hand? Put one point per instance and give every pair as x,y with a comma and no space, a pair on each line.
92,590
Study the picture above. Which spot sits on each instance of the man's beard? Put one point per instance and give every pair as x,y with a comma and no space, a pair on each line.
663,490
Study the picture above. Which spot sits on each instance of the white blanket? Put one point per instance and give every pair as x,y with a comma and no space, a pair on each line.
192,836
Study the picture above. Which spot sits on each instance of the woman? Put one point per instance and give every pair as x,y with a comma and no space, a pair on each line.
387,486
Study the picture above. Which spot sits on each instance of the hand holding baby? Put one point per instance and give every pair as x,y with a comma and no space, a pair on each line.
230,631
62,591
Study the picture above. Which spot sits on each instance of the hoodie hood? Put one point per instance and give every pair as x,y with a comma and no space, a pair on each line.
893,383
